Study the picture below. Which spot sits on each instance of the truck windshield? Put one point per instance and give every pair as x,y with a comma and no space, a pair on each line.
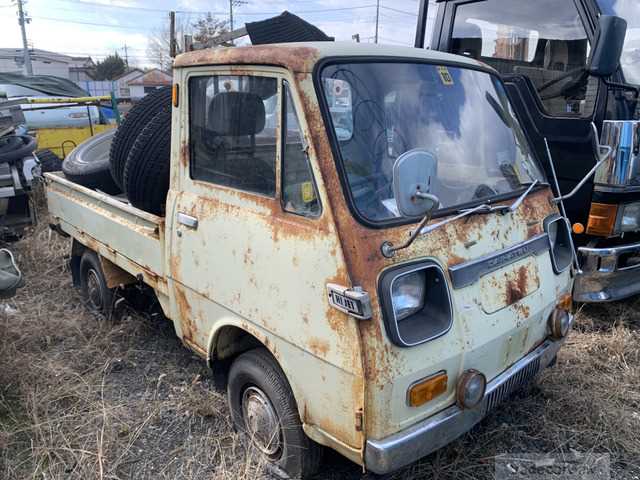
630,11
460,116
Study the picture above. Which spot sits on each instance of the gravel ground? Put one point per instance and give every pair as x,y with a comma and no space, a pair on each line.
84,397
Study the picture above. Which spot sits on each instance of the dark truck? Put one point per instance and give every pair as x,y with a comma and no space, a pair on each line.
568,70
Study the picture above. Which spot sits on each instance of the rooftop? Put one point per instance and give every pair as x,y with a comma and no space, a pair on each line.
301,57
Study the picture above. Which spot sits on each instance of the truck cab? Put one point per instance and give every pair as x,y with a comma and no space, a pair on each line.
543,51
365,271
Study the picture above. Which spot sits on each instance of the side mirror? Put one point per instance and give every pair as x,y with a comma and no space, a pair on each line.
607,50
412,174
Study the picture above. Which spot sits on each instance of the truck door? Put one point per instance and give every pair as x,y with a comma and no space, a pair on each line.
539,47
253,244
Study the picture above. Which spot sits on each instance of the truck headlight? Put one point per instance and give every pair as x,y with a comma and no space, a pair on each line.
560,242
471,389
416,303
628,218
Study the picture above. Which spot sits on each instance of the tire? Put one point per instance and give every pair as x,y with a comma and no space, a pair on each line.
88,164
16,147
49,161
132,125
93,285
146,173
256,381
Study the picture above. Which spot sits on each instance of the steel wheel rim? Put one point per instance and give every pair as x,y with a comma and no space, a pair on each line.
261,422
94,290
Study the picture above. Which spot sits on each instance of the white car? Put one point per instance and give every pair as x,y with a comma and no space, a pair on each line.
64,116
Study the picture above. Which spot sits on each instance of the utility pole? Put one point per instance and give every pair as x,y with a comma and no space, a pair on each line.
172,34
22,20
126,55
377,19
234,3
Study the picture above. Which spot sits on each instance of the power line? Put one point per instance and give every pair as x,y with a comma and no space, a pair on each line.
397,10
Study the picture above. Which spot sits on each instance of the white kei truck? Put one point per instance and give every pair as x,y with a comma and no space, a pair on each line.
358,240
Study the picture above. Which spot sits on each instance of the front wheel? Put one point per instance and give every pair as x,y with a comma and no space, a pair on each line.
263,407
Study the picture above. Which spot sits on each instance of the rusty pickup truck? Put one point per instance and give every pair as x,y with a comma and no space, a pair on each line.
358,239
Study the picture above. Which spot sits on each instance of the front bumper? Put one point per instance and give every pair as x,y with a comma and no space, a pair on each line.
405,447
605,275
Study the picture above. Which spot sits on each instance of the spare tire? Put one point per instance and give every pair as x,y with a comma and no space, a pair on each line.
88,164
146,173
134,122
16,147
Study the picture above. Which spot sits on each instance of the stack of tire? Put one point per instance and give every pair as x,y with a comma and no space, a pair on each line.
137,159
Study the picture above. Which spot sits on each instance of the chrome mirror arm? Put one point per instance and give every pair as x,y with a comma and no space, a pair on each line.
603,152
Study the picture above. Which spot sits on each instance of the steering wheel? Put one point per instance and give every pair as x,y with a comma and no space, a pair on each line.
568,80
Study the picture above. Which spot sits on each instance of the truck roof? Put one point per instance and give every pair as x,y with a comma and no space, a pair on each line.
302,57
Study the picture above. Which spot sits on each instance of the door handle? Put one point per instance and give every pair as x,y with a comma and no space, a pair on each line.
187,220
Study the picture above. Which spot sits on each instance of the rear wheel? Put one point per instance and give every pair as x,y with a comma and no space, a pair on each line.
93,284
263,407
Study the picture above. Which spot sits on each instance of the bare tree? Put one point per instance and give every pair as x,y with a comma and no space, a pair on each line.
203,29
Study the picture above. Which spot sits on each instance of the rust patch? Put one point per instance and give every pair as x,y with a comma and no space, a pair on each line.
318,346
522,311
185,314
184,154
517,290
294,57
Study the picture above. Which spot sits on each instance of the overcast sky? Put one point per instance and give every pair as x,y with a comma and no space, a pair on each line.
100,27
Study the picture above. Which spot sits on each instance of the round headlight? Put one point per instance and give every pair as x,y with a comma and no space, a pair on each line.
559,323
471,387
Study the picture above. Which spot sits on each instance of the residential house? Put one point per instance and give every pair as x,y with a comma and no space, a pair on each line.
148,82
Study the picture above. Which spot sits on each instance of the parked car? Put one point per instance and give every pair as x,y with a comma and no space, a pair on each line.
39,116
561,62
375,279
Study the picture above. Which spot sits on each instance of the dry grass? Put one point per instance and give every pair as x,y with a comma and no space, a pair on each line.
84,398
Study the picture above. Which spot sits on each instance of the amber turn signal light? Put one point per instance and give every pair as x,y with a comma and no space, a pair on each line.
578,228
426,390
174,94
602,219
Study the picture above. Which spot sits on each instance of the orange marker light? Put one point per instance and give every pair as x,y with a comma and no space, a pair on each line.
428,389
602,219
578,228
174,95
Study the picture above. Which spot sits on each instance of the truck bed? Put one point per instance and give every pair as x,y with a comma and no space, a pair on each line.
127,236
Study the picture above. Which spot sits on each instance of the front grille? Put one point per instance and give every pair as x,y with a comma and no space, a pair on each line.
521,378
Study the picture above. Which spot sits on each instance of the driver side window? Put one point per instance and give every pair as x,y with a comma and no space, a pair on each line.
548,44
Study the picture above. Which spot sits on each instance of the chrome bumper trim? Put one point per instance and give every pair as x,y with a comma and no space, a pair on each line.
601,279
405,447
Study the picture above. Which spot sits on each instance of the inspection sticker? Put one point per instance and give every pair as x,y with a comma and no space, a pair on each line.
445,76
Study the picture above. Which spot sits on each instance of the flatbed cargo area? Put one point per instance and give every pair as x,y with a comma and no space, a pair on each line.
127,236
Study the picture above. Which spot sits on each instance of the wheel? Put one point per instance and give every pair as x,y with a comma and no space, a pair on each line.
146,173
132,125
93,285
262,406
88,164
49,161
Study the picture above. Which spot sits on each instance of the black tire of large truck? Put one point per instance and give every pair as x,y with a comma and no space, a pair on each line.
146,173
88,170
49,161
132,125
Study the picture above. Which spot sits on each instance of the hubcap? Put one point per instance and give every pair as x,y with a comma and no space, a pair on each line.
93,289
261,421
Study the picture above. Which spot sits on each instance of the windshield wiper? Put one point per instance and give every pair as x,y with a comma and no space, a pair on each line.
485,208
